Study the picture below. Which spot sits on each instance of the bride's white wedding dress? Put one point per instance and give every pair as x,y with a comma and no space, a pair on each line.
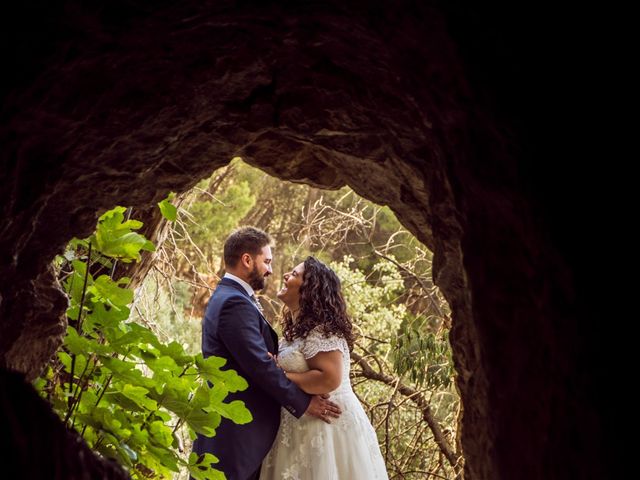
310,449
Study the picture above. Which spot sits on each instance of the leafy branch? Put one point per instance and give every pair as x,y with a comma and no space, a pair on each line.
123,389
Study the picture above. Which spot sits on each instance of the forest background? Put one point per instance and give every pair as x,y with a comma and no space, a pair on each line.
401,370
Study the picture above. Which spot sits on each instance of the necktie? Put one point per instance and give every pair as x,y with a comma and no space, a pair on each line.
257,302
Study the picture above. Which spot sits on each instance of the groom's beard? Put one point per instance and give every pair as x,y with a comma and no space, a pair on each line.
256,280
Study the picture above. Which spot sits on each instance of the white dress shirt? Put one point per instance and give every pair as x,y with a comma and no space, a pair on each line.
244,284
248,288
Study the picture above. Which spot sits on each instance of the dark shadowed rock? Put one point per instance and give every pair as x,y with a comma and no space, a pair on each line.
36,445
427,108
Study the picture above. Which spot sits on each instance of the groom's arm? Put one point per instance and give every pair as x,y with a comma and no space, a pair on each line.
238,328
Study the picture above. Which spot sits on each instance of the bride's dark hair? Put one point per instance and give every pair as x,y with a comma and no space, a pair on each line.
321,304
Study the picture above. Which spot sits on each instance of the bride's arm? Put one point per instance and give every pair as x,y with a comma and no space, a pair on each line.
324,376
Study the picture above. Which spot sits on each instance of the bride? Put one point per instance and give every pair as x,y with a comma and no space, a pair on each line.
315,355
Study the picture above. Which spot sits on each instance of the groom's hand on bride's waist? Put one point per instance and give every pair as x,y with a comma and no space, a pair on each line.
324,409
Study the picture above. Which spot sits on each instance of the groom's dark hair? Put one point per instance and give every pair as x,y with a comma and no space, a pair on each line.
244,240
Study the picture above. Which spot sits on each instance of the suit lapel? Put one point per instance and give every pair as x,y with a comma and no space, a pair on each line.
271,332
274,337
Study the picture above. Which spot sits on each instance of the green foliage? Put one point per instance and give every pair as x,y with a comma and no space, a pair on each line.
412,347
124,390
412,343
421,353
115,238
216,219
386,278
167,209
170,310
198,470
371,306
217,208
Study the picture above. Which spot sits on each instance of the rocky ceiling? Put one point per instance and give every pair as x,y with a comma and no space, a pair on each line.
432,108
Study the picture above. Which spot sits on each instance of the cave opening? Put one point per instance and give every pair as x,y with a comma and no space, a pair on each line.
428,109
402,370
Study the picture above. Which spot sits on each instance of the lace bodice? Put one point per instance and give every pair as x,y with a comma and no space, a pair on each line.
293,355
310,449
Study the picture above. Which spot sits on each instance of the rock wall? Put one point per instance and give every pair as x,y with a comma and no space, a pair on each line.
409,103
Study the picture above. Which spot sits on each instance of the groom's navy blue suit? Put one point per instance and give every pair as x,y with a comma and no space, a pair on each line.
234,329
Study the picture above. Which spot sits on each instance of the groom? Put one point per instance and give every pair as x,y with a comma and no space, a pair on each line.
234,328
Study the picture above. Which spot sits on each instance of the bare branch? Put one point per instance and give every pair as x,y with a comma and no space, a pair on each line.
418,399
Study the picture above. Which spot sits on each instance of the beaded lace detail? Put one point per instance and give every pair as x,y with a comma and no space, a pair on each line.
306,448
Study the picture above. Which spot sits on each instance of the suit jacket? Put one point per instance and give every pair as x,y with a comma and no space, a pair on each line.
234,329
